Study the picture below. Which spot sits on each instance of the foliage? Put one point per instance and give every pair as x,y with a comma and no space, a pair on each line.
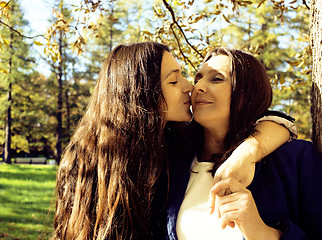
16,61
275,31
120,24
27,201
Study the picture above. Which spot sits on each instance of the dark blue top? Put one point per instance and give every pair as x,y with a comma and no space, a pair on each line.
287,189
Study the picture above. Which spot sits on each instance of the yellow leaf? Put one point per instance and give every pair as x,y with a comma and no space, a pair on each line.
300,64
3,4
198,19
4,71
282,79
147,33
38,43
53,58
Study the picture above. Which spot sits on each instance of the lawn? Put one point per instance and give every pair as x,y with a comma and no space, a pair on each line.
26,201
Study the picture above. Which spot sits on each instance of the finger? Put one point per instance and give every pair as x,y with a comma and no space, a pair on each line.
217,212
231,184
232,198
241,202
231,224
222,192
227,192
217,178
226,204
213,198
212,202
223,224
229,217
228,207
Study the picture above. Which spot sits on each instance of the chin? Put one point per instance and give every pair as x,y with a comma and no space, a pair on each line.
187,118
183,118
199,119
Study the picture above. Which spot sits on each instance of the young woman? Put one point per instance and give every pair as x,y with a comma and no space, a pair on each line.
231,91
112,180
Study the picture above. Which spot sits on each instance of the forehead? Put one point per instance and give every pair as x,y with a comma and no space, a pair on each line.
168,64
220,63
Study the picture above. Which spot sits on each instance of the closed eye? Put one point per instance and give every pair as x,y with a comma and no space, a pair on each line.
173,82
217,79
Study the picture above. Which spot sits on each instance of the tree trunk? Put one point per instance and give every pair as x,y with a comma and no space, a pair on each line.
316,44
7,143
60,103
111,28
66,95
67,108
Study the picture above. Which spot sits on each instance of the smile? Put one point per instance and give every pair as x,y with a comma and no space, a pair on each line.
202,102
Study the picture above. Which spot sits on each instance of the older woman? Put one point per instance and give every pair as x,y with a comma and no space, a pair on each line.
231,91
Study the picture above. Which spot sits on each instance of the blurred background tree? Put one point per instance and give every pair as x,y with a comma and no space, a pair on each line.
16,66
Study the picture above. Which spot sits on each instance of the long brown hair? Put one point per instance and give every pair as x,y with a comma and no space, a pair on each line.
105,182
250,97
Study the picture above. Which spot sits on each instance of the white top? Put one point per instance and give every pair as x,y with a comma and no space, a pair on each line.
194,221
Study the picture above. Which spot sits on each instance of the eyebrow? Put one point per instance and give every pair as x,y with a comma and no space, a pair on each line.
213,71
172,71
198,76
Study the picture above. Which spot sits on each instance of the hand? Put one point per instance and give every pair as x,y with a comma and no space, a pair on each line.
239,208
239,166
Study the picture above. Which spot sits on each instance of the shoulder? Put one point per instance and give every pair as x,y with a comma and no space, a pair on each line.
296,148
297,155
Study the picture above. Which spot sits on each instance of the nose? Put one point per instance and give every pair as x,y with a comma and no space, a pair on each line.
188,87
199,87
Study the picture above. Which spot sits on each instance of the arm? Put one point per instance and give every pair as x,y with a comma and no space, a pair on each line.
300,176
241,164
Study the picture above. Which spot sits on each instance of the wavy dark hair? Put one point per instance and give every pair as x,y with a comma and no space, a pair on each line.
105,181
251,96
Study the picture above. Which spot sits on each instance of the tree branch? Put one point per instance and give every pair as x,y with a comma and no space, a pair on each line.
5,5
304,2
186,58
182,32
16,31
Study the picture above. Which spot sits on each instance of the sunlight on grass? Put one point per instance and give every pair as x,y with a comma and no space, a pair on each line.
27,201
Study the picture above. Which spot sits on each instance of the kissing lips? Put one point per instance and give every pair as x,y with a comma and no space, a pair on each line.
188,102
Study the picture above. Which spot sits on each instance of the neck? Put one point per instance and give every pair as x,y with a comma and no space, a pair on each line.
213,142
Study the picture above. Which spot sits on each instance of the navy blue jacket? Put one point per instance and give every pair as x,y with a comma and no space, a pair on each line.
287,189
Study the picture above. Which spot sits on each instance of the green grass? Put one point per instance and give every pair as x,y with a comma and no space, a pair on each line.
26,201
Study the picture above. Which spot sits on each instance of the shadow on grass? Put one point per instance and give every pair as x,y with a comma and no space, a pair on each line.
16,231
24,173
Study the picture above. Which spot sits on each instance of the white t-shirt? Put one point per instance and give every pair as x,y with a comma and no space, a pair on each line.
194,221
